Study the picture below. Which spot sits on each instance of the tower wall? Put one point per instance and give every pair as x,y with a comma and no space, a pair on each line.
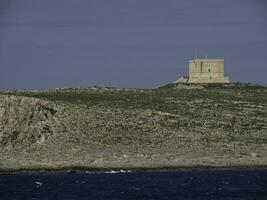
207,71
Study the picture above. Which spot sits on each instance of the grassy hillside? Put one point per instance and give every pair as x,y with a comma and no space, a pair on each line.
169,126
153,98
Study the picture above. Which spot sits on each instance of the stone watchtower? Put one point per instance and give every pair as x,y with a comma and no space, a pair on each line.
205,71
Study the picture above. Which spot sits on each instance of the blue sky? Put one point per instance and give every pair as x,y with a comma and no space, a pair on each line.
127,43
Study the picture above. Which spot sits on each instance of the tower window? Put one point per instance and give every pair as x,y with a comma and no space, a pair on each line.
209,70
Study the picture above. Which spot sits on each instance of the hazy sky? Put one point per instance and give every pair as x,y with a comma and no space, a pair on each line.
127,43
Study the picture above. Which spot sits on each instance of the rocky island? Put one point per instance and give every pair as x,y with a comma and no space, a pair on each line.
178,125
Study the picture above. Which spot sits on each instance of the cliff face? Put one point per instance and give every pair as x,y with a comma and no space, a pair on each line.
174,126
26,121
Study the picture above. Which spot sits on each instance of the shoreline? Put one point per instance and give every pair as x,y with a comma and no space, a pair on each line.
84,170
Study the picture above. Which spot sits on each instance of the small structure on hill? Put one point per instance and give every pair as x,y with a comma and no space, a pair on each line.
205,71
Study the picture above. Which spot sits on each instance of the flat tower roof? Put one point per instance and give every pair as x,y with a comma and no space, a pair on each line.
205,59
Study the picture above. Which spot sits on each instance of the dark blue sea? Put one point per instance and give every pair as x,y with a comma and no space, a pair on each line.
184,185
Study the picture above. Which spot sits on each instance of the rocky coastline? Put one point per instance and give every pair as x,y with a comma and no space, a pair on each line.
178,126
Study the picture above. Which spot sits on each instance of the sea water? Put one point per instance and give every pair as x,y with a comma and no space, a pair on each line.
184,185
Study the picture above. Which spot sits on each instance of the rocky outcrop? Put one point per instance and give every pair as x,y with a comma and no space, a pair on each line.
27,121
